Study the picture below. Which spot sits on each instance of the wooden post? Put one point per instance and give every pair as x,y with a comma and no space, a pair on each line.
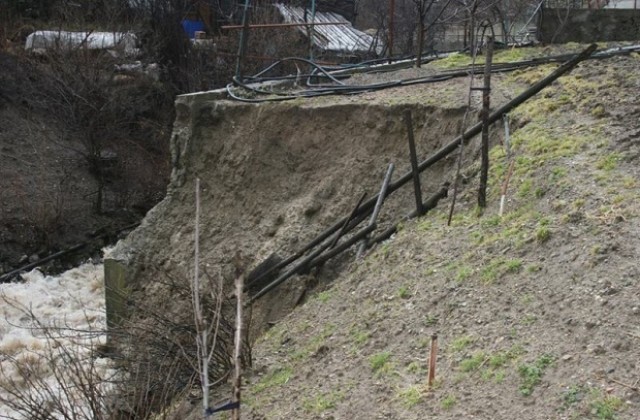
486,102
414,163
432,359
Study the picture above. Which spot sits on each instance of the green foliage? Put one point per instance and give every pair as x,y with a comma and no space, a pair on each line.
531,374
606,407
403,292
572,395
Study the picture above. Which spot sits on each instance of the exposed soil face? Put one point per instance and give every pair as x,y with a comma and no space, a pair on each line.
273,176
536,312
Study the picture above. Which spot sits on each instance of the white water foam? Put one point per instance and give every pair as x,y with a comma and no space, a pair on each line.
41,364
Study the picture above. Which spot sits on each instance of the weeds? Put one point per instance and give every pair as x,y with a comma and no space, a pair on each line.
543,234
609,162
324,296
403,293
410,396
473,363
379,362
606,406
461,343
275,378
323,402
531,374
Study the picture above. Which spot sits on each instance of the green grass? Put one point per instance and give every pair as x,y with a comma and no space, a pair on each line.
359,337
461,343
314,343
448,402
498,267
543,234
324,296
323,402
379,362
430,320
463,273
474,362
275,378
410,396
531,374
608,162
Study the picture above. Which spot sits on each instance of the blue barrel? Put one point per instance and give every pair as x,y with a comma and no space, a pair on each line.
192,26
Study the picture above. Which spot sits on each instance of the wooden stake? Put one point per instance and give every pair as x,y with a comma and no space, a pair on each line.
432,359
414,163
505,186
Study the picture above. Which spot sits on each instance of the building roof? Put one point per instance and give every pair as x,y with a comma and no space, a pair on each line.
342,38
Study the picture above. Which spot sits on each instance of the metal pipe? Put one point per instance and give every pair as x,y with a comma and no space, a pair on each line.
308,262
243,39
280,25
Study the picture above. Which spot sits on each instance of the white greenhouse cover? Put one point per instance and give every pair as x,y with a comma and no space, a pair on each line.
40,41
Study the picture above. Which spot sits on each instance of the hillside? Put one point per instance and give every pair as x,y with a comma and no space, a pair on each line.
535,311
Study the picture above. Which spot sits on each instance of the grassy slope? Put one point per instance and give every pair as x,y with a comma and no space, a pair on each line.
536,312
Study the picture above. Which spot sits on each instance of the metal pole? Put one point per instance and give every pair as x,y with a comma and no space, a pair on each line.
311,30
244,35
392,8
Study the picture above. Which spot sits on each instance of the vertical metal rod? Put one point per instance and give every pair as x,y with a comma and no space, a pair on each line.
414,163
486,102
376,210
244,35
311,29
392,10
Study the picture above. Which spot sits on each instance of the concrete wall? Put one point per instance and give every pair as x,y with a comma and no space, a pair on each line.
584,25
